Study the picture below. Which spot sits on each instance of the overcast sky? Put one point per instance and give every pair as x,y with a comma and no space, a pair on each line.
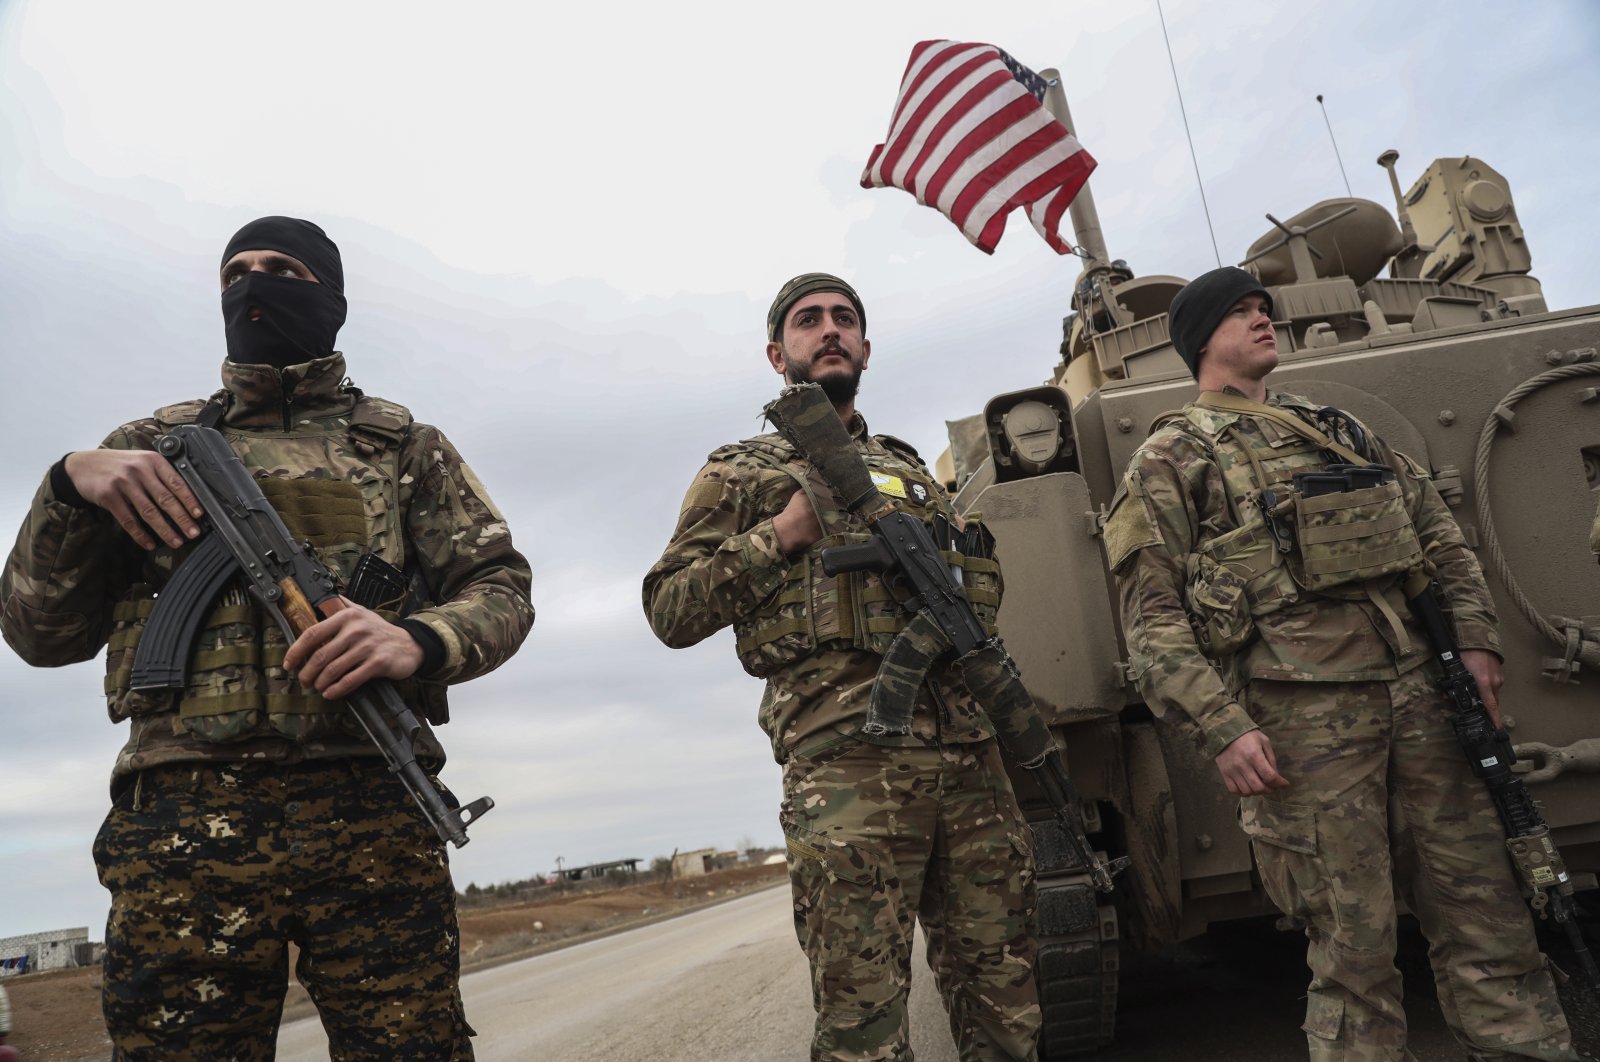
561,228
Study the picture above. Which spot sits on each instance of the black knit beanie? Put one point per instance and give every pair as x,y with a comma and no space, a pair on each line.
1200,306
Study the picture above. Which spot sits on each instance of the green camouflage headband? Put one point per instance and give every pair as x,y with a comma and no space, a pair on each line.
801,286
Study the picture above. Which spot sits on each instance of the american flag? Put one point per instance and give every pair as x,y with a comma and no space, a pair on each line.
970,136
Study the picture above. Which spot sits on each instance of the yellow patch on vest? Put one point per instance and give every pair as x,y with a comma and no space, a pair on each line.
893,486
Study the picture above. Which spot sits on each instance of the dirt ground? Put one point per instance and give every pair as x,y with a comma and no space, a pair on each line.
56,1015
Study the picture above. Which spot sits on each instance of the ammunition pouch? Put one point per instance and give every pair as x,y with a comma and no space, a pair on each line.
128,619
1218,610
237,687
1233,579
1352,536
813,611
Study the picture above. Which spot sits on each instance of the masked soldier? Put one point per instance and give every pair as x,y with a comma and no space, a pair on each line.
1290,657
880,834
250,810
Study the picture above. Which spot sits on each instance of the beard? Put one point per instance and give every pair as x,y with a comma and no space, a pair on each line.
839,386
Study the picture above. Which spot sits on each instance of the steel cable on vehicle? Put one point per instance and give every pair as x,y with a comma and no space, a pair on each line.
1588,652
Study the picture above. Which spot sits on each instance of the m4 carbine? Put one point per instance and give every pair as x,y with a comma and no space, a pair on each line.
245,536
942,626
1488,749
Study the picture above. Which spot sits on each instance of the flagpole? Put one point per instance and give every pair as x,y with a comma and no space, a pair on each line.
1085,218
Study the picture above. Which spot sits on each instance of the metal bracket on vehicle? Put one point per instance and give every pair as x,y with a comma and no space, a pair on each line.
1538,762
1565,668
1097,521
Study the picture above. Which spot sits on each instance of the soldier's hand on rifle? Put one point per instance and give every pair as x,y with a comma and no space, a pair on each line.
796,527
1248,766
1485,668
338,655
141,489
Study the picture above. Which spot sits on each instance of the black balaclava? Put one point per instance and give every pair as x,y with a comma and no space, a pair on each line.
299,320
1198,309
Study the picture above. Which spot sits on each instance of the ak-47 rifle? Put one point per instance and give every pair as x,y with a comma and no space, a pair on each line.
245,536
942,627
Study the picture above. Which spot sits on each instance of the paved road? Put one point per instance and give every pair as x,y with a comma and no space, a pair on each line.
728,984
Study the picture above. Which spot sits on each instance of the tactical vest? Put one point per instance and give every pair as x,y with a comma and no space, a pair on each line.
334,480
1349,545
812,611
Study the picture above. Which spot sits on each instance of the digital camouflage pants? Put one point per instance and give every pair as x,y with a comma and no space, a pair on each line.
879,838
1377,780
214,869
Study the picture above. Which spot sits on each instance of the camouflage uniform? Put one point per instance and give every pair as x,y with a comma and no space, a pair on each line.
922,826
248,812
1223,640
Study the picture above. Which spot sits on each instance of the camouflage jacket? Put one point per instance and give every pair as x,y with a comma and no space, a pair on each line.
1174,504
75,580
724,565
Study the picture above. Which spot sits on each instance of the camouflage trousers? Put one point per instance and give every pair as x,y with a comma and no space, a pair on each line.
1378,782
214,869
879,838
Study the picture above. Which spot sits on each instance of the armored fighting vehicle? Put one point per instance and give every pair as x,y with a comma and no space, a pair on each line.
1428,326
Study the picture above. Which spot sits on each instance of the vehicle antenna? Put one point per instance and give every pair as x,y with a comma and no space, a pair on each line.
1336,154
1192,157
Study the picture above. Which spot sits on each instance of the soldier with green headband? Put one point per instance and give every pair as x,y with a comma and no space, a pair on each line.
883,831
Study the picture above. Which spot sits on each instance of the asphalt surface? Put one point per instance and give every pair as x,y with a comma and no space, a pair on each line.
728,984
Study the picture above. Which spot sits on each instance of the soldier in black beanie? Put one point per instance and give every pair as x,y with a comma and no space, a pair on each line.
1307,694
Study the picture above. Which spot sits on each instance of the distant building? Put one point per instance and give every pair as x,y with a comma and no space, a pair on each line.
595,870
696,864
56,949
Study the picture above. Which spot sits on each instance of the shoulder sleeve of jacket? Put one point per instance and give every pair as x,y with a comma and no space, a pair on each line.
1130,523
1154,504
1158,532
462,545
723,560
66,571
